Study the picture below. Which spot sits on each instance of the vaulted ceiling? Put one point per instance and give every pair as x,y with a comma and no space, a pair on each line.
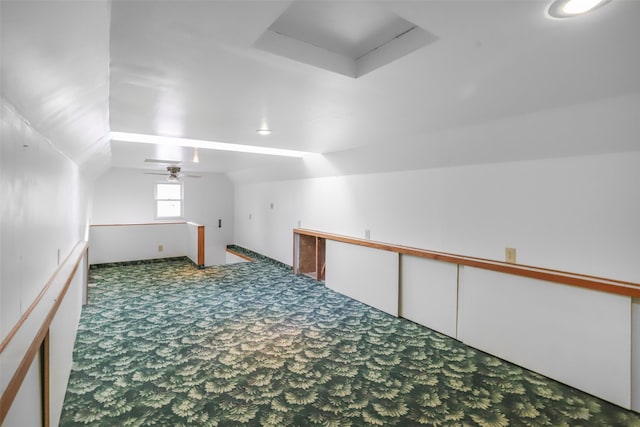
496,81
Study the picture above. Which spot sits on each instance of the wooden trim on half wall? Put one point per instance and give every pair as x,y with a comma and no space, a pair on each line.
567,278
141,223
45,381
201,245
239,255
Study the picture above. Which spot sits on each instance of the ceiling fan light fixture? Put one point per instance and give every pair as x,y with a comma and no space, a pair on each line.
571,8
264,132
174,173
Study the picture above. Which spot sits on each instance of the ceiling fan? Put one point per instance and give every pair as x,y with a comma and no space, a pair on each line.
173,174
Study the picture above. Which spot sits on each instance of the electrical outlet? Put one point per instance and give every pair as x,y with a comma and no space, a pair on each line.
510,255
160,248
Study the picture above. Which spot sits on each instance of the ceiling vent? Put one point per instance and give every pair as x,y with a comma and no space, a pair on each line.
350,38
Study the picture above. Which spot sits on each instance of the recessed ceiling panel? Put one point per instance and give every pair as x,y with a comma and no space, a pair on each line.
349,28
342,36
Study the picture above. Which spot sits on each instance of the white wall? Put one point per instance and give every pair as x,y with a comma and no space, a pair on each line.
191,241
577,336
127,196
27,408
41,222
366,274
578,214
62,341
429,293
137,242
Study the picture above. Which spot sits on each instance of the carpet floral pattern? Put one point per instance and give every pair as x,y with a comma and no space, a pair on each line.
168,344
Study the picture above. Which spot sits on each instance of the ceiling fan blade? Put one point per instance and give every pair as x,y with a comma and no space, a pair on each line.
193,176
162,161
155,173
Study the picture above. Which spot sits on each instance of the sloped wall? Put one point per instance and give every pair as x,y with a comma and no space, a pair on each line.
40,213
577,214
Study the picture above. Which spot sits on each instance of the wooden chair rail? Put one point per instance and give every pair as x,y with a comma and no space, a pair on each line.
567,278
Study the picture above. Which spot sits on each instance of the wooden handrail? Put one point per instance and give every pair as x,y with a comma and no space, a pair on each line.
9,394
567,278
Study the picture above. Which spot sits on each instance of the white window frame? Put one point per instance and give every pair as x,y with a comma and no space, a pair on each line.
156,200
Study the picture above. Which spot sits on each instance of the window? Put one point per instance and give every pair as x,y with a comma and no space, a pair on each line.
169,200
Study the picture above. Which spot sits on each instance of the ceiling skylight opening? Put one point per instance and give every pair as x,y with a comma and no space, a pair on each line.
352,38
209,145
570,8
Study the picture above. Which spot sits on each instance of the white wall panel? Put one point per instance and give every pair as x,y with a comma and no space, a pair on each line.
365,274
429,293
577,336
137,242
62,336
26,409
191,245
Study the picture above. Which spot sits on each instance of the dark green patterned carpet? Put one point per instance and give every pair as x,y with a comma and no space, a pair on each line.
168,344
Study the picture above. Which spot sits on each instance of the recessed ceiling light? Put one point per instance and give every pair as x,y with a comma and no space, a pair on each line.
211,145
570,8
264,131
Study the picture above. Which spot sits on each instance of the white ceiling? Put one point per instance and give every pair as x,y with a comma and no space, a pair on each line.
502,82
